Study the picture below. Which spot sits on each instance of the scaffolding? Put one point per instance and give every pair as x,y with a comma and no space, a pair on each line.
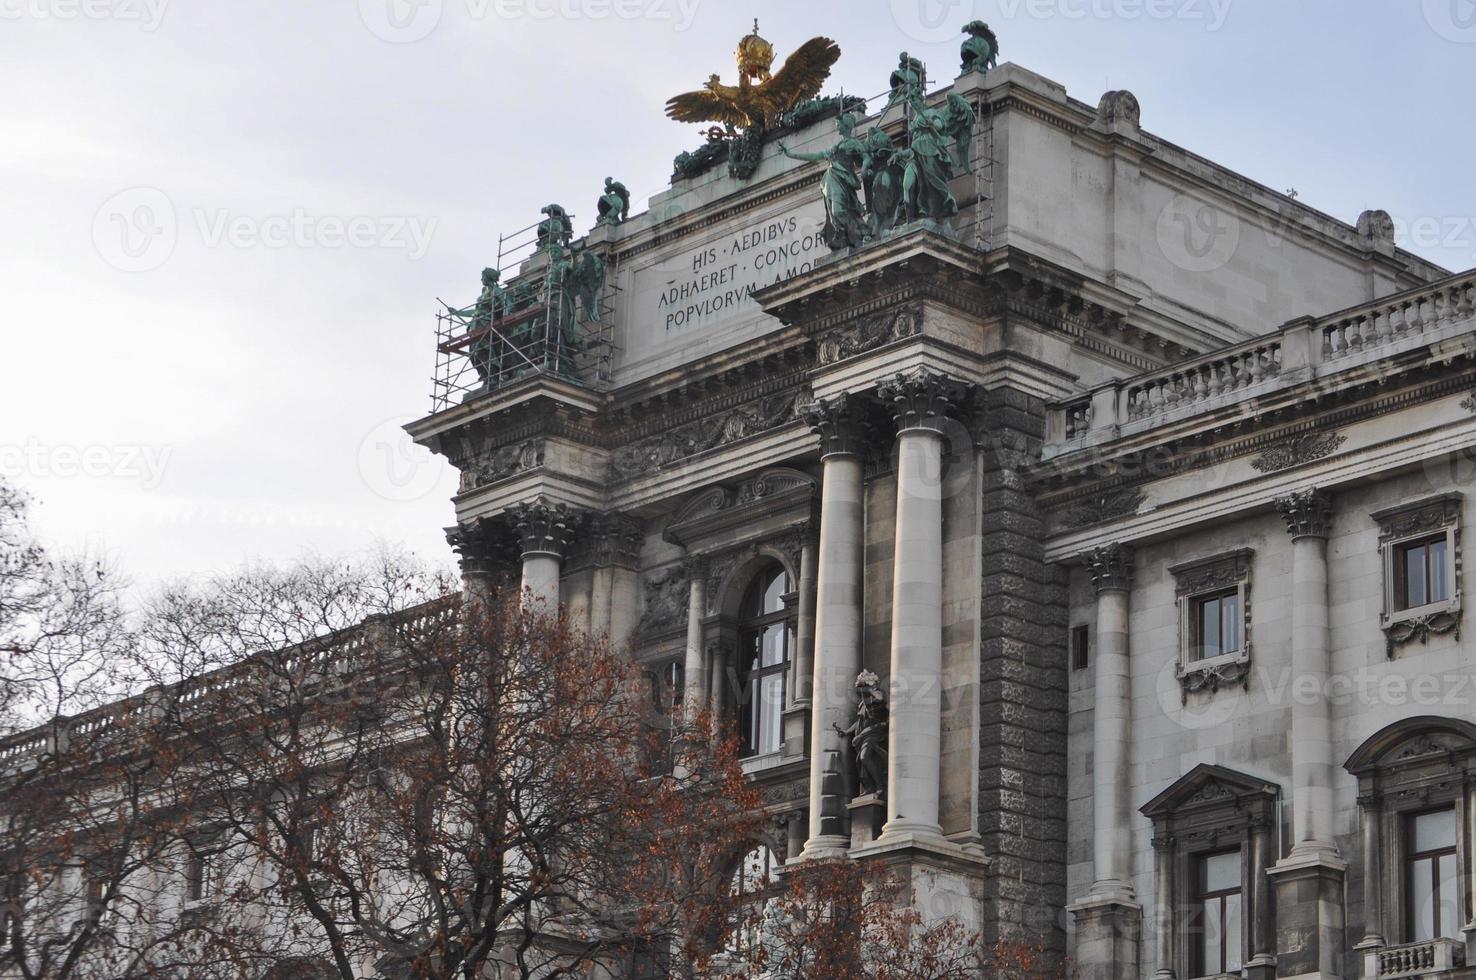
538,324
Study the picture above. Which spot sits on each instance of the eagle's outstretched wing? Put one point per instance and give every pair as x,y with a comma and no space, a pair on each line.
716,103
802,76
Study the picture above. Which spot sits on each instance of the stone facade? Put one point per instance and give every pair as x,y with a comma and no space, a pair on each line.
1069,423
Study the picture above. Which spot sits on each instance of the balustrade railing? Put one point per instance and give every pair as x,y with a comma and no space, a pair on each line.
1417,959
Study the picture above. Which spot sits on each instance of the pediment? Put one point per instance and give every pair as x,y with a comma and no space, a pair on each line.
1414,742
1207,786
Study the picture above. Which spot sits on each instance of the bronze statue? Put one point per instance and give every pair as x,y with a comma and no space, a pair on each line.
907,81
927,166
881,177
614,204
556,229
491,306
845,226
759,97
960,128
980,52
868,736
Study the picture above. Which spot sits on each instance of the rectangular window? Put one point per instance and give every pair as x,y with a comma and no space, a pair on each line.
206,868
1080,652
1430,888
1420,573
1216,925
1216,625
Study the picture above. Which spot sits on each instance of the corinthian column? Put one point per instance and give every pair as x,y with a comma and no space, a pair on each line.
841,424
1308,515
1111,569
919,401
545,531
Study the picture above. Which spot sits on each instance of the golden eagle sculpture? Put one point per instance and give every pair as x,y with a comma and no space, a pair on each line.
760,96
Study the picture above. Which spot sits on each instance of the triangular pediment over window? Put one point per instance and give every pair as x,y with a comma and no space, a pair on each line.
1207,786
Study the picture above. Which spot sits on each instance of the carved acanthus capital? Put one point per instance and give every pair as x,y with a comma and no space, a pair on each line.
616,539
1111,568
1307,513
545,527
484,547
918,397
842,422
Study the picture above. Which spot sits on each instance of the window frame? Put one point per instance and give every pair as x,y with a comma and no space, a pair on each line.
1205,579
1409,858
1198,952
1400,528
752,710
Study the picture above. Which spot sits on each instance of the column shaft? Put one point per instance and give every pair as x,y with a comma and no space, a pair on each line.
694,674
541,580
1371,817
804,639
1112,730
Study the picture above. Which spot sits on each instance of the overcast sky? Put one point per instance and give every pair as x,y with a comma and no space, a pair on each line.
226,223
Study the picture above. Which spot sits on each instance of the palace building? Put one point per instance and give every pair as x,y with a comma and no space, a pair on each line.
1137,484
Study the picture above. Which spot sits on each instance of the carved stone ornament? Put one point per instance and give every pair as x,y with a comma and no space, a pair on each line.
1297,450
1211,574
665,594
1119,105
866,334
505,462
545,527
1307,513
1421,518
651,454
917,397
1402,631
484,546
1212,677
1469,403
1111,568
615,539
721,565
1103,507
842,422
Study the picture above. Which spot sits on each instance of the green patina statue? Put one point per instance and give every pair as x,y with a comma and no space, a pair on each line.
881,176
927,166
980,52
845,223
556,229
614,204
960,119
491,306
907,81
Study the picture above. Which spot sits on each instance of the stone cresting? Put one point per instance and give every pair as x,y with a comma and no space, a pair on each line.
1023,694
1297,450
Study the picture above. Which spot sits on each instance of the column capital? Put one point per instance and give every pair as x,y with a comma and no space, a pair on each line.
843,423
484,547
1307,513
616,539
1111,568
546,527
916,397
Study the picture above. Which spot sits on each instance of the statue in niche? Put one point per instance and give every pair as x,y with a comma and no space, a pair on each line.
907,81
881,176
614,204
868,737
845,224
980,52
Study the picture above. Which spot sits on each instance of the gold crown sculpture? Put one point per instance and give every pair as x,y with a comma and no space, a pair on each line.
755,56
760,96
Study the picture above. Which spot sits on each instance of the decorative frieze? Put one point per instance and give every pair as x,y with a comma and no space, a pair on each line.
1307,513
1297,450
1111,568
546,527
665,594
868,333
661,450
917,397
843,423
502,463
1102,508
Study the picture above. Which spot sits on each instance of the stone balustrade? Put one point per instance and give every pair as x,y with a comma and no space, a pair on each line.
1415,959
1310,348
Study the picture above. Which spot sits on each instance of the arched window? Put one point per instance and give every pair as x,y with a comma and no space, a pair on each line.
766,637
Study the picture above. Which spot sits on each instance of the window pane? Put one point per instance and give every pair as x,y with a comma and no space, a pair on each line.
771,713
1213,936
1222,872
1414,576
1209,628
1445,868
772,652
1439,591
1230,622
1234,940
1421,901
1434,831
774,593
